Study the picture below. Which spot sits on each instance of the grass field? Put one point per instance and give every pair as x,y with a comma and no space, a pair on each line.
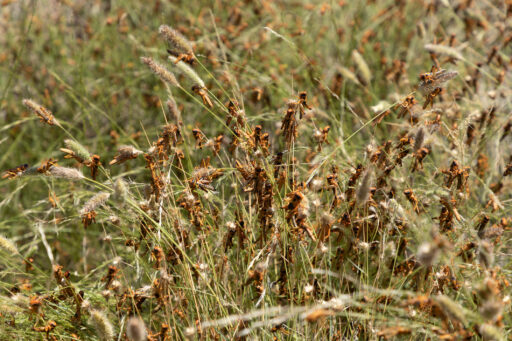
260,170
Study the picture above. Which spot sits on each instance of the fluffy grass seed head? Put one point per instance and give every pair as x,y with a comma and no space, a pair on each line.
136,329
490,332
444,50
188,71
160,70
364,187
95,202
78,149
486,254
65,173
102,325
451,308
8,246
121,189
11,305
174,111
362,67
178,44
346,73
418,139
491,309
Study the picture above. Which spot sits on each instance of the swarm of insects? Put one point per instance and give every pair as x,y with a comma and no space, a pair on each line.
285,181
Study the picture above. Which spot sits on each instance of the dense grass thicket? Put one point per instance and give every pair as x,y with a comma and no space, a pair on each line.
261,170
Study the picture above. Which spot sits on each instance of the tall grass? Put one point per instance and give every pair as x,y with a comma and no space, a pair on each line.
263,170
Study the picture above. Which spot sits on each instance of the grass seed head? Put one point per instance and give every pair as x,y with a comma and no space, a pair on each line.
121,189
444,50
8,246
490,332
451,308
363,191
102,325
95,202
362,67
160,70
136,329
418,139
78,149
65,173
188,71
174,111
486,253
491,309
178,44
